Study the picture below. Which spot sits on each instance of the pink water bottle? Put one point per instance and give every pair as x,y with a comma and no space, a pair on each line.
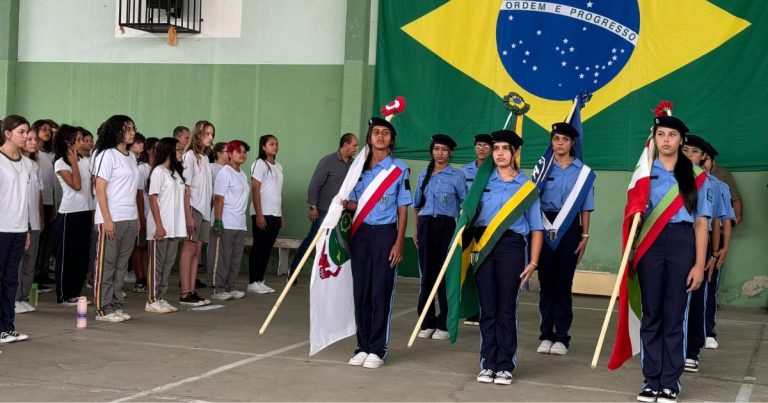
82,313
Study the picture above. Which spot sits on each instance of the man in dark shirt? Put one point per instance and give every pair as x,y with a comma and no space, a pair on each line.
325,183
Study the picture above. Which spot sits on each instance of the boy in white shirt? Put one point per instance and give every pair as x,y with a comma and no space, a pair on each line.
230,199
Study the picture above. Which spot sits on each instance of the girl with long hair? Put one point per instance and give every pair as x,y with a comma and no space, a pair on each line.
166,225
27,265
117,178
15,174
266,211
439,193
48,233
673,265
508,265
139,254
197,209
74,220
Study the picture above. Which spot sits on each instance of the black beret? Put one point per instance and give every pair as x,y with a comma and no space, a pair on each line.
712,151
507,136
374,121
445,140
565,129
672,123
483,138
696,141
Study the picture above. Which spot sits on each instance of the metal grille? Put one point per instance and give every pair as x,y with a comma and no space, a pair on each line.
159,15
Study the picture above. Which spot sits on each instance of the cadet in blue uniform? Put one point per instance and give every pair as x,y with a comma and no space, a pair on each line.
483,142
378,233
439,194
558,266
673,266
507,267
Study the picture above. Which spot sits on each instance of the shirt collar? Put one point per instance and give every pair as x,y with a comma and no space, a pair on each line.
658,164
519,178
386,162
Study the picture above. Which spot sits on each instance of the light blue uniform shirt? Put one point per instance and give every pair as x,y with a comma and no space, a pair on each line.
496,193
398,194
470,171
721,205
559,184
662,180
444,193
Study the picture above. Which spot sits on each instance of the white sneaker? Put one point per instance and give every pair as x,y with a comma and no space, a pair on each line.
168,305
558,349
373,361
125,316
503,378
222,296
237,294
426,333
358,359
258,287
485,376
124,294
19,307
266,287
711,343
28,306
441,335
110,317
156,307
6,337
545,347
18,336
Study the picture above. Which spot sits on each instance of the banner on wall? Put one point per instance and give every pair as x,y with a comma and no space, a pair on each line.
455,60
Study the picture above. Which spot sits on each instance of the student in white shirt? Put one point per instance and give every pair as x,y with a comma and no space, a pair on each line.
230,202
197,209
15,172
266,211
73,221
166,225
35,208
48,234
218,159
86,156
139,255
117,178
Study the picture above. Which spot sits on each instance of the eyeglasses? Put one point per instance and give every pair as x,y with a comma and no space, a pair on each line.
482,147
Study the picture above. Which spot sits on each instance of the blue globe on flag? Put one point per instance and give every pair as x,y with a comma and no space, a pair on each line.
557,49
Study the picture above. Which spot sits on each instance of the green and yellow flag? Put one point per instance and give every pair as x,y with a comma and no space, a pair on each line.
453,58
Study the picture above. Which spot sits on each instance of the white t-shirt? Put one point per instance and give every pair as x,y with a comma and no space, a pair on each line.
271,178
73,201
215,168
144,170
197,173
47,175
122,174
34,188
170,200
14,198
88,161
233,185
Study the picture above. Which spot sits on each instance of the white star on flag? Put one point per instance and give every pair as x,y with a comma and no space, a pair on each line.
504,52
581,76
571,49
613,50
614,58
525,61
610,63
565,40
534,68
597,74
563,63
527,53
514,46
511,18
589,4
538,32
576,68
584,29
622,51
594,81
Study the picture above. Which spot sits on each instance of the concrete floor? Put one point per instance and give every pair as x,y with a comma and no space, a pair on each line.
217,355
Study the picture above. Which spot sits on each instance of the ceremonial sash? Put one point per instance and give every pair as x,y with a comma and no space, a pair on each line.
669,205
373,193
556,229
508,214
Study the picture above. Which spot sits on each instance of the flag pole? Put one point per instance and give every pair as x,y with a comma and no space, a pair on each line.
573,109
616,286
439,280
288,285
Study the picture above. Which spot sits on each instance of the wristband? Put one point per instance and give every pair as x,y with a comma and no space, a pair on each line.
534,264
585,235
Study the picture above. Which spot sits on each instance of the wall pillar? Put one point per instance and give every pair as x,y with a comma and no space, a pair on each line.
354,101
9,50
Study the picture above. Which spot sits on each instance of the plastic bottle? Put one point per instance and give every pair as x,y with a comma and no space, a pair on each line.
82,313
33,295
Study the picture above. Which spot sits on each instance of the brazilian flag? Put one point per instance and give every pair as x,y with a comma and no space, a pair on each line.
454,60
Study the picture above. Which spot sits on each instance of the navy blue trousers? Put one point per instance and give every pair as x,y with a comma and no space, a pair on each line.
498,285
11,251
307,240
435,235
662,274
696,316
556,270
710,311
73,238
373,285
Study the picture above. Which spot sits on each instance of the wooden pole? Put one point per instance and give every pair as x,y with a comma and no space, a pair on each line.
439,280
616,286
573,109
290,281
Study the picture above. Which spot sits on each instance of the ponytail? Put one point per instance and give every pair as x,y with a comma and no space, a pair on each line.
430,169
686,181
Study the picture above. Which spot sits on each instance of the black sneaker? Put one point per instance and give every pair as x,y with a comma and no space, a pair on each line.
200,284
647,395
691,365
190,299
200,299
667,396
42,289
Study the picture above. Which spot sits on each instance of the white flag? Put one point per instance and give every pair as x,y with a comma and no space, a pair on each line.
331,302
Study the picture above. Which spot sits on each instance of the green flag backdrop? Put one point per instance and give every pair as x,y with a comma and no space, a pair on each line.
454,60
